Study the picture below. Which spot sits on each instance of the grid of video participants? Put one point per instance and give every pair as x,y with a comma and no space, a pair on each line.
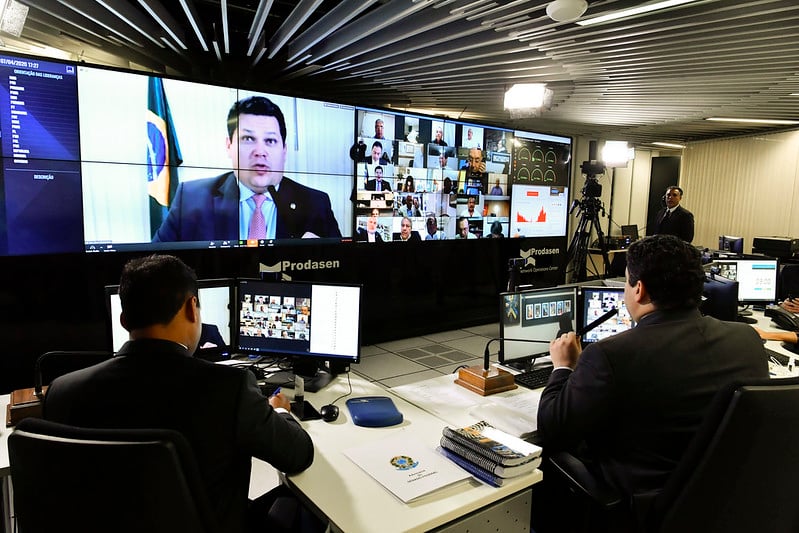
278,317
425,179
599,301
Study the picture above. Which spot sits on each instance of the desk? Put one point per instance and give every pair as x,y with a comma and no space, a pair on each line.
354,502
776,371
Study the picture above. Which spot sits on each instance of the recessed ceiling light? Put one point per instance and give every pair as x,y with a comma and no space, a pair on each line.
775,122
634,11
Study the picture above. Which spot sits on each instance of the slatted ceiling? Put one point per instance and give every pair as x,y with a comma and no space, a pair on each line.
654,77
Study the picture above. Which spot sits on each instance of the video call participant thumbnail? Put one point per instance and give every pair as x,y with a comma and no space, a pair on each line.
254,200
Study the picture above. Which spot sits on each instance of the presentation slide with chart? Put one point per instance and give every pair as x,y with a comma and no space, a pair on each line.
539,211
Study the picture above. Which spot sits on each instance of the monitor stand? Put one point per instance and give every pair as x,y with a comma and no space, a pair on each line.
314,377
745,316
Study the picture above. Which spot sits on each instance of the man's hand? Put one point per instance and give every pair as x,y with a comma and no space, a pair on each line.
278,400
565,350
790,305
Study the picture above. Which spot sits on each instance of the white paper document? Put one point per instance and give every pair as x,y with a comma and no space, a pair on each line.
405,466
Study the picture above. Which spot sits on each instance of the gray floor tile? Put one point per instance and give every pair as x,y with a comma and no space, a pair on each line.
403,344
434,361
436,348
409,378
385,366
450,369
415,353
474,344
447,335
369,350
486,330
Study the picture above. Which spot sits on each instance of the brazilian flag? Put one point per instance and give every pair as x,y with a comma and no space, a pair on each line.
163,154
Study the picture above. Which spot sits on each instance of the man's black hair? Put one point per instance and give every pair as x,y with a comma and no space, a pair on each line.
377,143
153,289
255,105
675,188
670,269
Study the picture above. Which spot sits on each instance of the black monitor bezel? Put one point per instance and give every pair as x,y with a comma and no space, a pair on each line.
501,356
282,354
209,283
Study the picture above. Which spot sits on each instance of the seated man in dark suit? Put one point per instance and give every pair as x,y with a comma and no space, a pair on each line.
674,219
631,403
255,200
154,382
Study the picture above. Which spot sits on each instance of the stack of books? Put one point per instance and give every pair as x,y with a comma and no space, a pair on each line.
489,454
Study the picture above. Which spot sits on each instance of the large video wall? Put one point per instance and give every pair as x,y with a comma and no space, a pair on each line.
99,160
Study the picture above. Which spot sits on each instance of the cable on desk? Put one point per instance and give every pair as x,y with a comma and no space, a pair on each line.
349,384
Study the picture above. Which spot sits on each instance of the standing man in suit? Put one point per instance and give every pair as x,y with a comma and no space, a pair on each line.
633,402
674,219
255,200
154,382
378,183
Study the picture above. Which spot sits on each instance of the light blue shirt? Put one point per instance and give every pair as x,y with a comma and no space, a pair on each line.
247,208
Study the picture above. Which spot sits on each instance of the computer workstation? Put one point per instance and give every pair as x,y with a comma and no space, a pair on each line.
531,319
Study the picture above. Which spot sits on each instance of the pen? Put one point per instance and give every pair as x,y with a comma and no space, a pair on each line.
277,391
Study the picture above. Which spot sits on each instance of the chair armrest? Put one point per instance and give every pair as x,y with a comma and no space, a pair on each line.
582,481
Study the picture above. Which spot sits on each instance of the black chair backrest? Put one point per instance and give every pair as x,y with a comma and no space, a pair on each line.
51,365
740,472
789,282
78,479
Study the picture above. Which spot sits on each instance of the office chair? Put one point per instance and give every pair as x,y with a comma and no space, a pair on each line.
67,478
789,282
51,365
738,474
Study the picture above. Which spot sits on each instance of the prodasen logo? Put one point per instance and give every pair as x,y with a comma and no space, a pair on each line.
285,266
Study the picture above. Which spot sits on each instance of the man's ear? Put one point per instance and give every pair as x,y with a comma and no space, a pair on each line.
191,309
123,321
640,294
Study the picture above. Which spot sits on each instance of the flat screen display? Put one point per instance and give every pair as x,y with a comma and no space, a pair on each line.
757,278
529,320
314,320
215,310
102,160
596,302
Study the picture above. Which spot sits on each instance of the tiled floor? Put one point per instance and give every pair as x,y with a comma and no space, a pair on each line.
404,361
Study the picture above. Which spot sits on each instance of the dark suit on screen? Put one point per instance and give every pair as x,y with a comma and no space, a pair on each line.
361,235
680,223
371,185
208,209
637,398
220,410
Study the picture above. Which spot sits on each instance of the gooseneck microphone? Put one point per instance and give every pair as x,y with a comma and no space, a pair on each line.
597,322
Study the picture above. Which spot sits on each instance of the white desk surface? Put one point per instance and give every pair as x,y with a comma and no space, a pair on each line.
352,500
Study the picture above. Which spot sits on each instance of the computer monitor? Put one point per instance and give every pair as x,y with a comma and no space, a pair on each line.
532,319
630,231
720,298
757,278
215,310
596,301
313,324
728,243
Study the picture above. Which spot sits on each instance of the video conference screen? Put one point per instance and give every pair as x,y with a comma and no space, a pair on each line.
97,160
299,319
419,178
596,302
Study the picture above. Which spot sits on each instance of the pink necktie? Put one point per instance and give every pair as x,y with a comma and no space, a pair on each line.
257,222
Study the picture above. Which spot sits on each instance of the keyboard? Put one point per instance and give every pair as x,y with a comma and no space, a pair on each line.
777,356
535,378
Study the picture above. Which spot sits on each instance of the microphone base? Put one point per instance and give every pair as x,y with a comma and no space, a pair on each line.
485,382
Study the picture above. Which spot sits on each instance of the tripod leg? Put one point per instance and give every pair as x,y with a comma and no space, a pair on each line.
602,245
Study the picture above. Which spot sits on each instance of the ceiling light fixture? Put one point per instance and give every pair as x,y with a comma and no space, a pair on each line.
633,11
768,121
566,10
525,100
12,17
669,145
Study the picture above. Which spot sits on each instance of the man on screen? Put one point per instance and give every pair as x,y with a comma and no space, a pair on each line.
379,129
378,183
254,200
377,156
